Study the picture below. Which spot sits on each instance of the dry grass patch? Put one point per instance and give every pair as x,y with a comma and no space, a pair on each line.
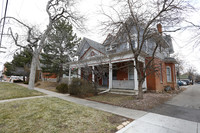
54,115
149,101
51,86
11,90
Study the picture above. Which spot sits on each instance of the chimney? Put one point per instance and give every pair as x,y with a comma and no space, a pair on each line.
159,27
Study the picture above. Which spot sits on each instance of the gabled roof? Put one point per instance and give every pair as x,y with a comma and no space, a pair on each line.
91,43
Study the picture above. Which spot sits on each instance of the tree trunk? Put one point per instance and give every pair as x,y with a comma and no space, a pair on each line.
32,72
59,78
140,91
60,75
24,78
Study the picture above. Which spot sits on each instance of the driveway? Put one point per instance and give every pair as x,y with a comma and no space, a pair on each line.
186,105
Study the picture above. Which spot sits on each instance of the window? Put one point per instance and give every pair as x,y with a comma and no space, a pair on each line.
111,47
169,76
174,73
108,48
114,74
131,73
133,41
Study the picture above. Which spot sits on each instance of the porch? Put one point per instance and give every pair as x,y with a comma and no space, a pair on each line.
115,75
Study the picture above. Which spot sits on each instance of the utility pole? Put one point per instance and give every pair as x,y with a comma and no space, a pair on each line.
3,22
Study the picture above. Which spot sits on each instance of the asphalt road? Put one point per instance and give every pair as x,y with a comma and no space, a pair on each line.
185,105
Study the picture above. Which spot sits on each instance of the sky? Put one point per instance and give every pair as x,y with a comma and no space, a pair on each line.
33,12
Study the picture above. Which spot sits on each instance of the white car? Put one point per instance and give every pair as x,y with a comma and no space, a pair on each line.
184,83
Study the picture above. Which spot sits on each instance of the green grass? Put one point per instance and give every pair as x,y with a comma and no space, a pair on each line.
53,115
11,90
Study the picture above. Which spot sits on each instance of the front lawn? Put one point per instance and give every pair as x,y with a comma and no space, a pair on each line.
11,90
54,115
51,86
150,100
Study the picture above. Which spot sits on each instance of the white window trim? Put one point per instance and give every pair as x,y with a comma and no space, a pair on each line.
133,37
168,67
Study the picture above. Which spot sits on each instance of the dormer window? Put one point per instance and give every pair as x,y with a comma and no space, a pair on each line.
111,47
133,41
107,48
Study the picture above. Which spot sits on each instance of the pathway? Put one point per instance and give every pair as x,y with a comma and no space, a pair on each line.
23,98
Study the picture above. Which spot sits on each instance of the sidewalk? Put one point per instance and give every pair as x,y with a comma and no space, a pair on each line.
23,98
155,123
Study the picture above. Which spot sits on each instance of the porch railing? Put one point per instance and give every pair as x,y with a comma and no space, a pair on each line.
123,84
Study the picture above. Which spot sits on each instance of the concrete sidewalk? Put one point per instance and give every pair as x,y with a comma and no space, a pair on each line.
23,98
155,123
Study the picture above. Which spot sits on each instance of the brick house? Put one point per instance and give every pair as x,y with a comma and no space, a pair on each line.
116,59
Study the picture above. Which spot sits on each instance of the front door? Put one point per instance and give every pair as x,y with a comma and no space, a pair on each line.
105,79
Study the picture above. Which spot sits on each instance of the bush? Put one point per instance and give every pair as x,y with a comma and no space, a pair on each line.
81,88
62,88
26,82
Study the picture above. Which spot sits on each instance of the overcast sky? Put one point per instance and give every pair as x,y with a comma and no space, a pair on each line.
33,12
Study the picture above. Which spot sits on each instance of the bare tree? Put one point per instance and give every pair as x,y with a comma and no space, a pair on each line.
180,66
191,74
56,9
195,31
137,19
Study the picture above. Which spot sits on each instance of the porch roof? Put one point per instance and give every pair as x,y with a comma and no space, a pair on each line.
109,58
170,60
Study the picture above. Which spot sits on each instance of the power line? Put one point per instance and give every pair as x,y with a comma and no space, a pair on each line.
4,22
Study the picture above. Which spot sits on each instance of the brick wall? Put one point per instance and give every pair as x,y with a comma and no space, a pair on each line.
157,81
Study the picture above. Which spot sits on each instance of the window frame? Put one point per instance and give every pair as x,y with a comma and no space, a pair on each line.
169,76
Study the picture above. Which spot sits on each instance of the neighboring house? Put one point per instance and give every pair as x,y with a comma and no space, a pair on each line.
184,77
117,57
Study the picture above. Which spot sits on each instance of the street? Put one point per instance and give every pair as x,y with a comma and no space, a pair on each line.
185,105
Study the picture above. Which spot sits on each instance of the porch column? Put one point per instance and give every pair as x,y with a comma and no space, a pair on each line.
69,79
135,78
93,78
79,72
110,75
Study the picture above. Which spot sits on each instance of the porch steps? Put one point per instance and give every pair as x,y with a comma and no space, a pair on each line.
123,92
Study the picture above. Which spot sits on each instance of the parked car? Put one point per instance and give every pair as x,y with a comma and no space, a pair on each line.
187,81
180,83
184,83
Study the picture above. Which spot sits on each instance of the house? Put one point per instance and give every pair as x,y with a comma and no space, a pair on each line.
116,59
